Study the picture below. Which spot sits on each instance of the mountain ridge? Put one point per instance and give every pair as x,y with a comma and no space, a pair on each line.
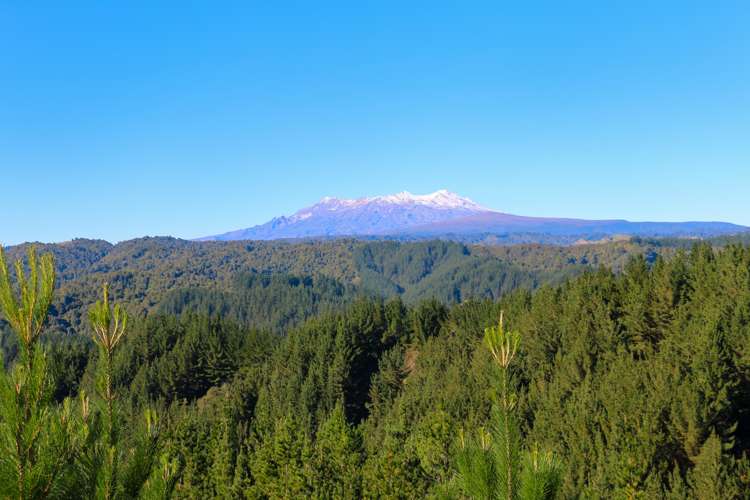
447,215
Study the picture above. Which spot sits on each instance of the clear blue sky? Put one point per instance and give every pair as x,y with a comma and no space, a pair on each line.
136,119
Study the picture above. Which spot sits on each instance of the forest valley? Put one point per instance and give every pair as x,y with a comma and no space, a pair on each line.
159,368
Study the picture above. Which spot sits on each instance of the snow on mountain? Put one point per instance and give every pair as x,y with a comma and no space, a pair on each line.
362,216
446,214
439,200
442,199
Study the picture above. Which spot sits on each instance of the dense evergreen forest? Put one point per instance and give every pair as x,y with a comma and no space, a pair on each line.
151,274
346,369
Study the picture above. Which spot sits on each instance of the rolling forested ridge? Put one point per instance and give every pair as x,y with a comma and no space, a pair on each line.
161,368
151,273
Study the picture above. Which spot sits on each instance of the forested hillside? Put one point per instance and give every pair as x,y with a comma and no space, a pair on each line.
636,383
152,274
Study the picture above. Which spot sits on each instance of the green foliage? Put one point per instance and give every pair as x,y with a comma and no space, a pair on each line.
263,300
116,464
714,476
279,463
275,378
173,359
291,464
27,313
493,464
254,282
38,441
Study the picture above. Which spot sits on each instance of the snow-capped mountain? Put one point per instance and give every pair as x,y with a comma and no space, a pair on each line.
444,214
363,216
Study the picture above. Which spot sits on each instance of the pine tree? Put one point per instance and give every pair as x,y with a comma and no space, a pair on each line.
337,458
492,464
713,477
118,467
280,461
38,442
